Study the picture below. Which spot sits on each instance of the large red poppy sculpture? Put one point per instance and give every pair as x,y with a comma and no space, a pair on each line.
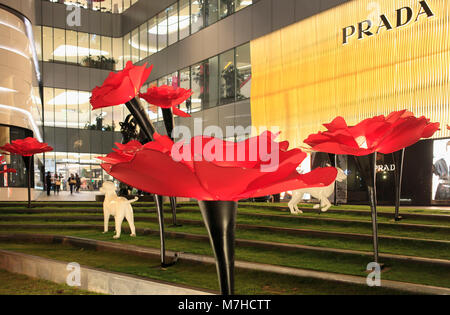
391,134
27,148
123,88
218,174
167,97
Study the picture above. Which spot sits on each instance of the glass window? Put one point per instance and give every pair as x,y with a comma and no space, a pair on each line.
37,30
49,108
95,50
126,4
83,49
240,4
47,42
83,109
143,41
226,7
227,77
59,102
185,83
172,22
106,6
118,53
126,48
72,47
135,45
211,87
184,19
211,11
59,37
243,72
107,60
152,36
117,6
162,30
172,80
196,16
72,108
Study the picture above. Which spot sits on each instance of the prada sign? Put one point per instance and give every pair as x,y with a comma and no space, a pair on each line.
404,16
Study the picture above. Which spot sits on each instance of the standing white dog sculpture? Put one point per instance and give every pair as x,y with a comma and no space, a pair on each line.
118,207
321,193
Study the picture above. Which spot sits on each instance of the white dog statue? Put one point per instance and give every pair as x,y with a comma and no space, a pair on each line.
320,193
118,207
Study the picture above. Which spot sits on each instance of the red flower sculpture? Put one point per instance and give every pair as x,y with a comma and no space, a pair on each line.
378,134
8,170
167,97
164,168
120,87
26,147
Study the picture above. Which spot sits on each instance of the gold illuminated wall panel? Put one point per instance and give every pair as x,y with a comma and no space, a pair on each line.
303,75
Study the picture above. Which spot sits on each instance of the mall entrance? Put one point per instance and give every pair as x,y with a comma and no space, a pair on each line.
92,175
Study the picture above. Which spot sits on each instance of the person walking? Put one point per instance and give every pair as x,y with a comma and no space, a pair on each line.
48,183
57,183
72,183
78,183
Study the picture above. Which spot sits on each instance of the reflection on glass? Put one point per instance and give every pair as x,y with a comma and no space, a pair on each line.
172,23
49,108
71,47
83,49
59,102
196,16
227,77
143,41
152,36
162,30
184,19
59,54
118,52
226,7
211,9
240,4
211,87
47,42
126,48
135,45
243,72
185,83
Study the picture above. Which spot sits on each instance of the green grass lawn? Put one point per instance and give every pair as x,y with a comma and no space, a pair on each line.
331,262
392,246
15,284
193,274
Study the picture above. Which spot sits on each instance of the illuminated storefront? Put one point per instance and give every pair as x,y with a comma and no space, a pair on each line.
358,60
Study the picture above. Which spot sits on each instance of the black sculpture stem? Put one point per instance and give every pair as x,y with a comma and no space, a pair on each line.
367,166
220,221
28,163
333,160
169,124
148,129
398,158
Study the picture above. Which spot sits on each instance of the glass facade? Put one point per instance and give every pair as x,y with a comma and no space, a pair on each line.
109,6
175,23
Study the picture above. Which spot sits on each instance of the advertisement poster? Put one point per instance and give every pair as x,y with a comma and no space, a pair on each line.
441,164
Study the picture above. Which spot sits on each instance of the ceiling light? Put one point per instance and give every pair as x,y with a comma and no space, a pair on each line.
73,51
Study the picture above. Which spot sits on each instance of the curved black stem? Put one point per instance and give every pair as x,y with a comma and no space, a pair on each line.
398,158
220,221
333,160
169,123
367,166
148,129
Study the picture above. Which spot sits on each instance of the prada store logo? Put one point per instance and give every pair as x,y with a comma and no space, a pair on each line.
404,16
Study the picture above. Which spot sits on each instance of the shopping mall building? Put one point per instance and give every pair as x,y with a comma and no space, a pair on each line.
287,64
